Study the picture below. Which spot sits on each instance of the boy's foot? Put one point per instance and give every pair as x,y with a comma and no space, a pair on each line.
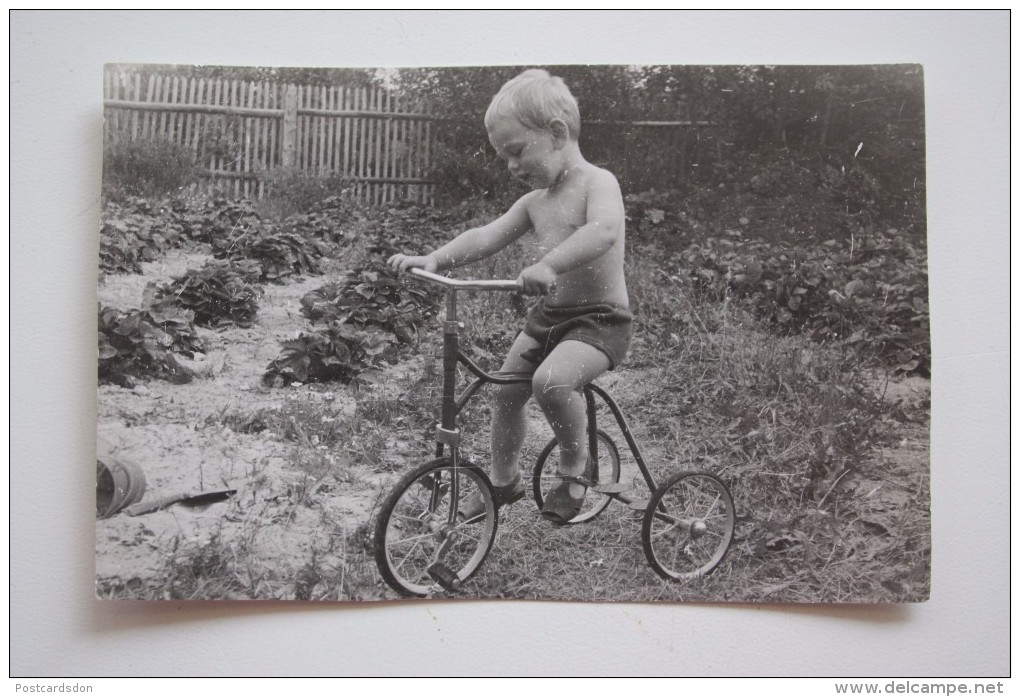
473,507
565,500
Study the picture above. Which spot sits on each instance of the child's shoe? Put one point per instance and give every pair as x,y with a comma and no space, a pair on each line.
473,507
561,505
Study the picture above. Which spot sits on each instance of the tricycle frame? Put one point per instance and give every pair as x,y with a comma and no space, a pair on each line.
445,529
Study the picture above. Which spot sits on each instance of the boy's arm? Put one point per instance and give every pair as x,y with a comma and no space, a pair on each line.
471,245
602,231
481,242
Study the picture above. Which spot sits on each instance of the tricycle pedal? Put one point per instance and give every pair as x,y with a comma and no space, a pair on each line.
612,489
638,504
444,576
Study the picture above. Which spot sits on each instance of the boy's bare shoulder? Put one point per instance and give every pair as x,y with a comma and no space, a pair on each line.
602,189
525,205
602,172
597,177
527,199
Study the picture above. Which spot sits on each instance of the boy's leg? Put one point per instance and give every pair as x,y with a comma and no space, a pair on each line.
558,388
509,425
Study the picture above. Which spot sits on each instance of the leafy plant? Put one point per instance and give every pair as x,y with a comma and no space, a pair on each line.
143,343
339,352
221,292
870,293
134,231
227,218
364,312
408,227
372,297
280,254
320,226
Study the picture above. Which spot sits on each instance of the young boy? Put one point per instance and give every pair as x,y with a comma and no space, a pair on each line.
582,326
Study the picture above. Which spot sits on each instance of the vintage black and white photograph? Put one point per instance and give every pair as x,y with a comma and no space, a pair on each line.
564,332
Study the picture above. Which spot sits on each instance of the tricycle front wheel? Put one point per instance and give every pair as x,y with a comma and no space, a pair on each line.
420,529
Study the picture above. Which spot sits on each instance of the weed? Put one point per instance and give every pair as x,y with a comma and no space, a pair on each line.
317,424
200,569
195,568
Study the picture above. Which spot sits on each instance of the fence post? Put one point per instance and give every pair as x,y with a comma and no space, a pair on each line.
288,140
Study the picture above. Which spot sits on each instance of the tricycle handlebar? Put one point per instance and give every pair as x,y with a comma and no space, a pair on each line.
466,284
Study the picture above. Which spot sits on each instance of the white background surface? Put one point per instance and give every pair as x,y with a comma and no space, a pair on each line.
57,628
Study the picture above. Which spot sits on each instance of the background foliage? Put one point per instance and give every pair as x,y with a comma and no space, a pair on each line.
857,131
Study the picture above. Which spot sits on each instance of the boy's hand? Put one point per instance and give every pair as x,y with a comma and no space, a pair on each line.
403,262
538,279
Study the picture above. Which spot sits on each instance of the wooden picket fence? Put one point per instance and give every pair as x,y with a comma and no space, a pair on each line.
246,135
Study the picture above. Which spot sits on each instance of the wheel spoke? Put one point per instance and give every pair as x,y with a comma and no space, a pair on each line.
406,557
712,507
462,536
664,531
409,518
405,540
676,551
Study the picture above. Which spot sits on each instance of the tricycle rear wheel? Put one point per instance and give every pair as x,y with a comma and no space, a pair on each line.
607,471
688,526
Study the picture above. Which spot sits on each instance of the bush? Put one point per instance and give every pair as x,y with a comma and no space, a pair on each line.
148,168
799,267
464,170
872,294
328,221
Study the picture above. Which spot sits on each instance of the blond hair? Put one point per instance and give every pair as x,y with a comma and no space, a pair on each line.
536,98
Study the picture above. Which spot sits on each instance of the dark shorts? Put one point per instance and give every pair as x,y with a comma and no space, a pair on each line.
606,327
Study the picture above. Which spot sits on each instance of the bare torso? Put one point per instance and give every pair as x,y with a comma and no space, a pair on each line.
555,214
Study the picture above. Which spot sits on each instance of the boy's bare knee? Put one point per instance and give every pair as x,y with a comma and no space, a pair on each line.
552,387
